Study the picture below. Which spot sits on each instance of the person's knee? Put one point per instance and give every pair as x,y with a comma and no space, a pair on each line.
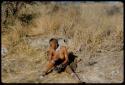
68,69
51,63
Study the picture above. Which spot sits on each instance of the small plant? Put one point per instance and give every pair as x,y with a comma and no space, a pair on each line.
26,19
113,10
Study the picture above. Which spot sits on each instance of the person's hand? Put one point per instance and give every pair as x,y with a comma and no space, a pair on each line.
62,65
58,68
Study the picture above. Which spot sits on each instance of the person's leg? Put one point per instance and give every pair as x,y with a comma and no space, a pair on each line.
49,67
70,71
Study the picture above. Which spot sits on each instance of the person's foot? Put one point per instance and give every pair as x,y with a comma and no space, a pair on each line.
43,75
80,81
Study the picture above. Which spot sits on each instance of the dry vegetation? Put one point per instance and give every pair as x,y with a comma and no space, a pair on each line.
95,30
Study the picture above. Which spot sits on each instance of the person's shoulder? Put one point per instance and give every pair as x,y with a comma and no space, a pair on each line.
50,49
63,47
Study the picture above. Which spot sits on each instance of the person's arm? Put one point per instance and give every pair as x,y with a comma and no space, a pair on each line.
50,55
66,56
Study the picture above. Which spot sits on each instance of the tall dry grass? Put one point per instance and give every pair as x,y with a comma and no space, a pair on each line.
95,27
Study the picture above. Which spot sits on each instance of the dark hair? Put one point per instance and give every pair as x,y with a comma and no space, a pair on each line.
53,39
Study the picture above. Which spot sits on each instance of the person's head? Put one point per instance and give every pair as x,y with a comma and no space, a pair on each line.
53,43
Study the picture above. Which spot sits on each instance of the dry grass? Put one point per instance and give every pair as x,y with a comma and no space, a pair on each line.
96,27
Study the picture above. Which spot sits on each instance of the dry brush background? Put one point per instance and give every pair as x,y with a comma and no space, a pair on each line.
94,30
